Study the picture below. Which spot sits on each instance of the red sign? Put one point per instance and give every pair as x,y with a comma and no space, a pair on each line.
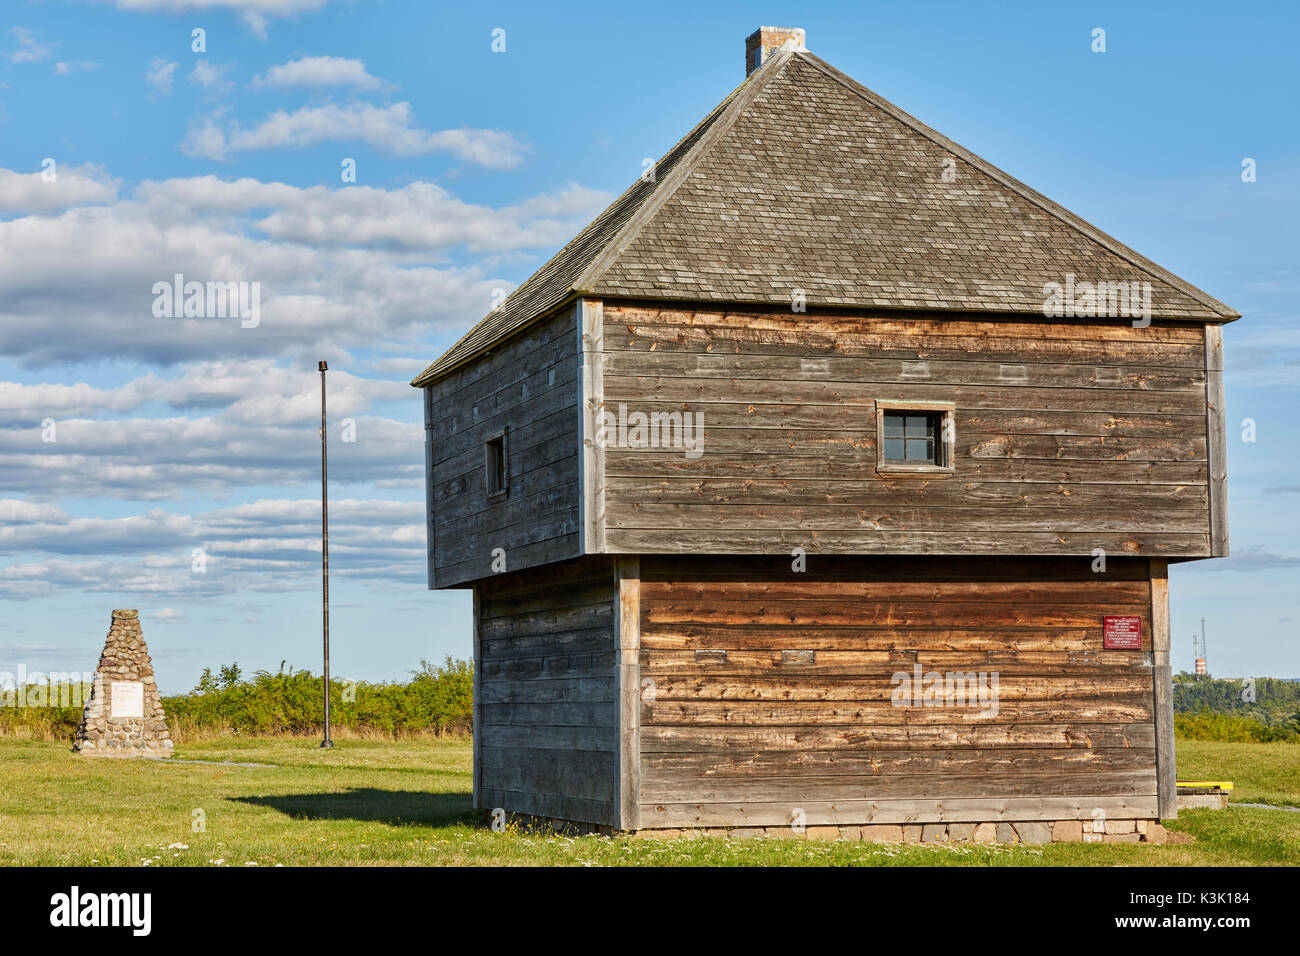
1123,633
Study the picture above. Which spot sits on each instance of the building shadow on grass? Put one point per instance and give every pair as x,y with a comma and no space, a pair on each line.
399,808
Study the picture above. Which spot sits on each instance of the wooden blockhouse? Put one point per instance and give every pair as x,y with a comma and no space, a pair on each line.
831,477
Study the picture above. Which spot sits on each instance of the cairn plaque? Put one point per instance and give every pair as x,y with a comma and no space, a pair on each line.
124,716
128,699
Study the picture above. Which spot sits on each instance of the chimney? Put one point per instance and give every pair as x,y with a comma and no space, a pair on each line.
765,41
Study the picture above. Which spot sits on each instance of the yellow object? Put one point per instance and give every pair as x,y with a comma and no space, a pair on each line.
1206,784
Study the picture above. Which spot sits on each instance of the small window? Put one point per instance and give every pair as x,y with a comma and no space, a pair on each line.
914,438
497,465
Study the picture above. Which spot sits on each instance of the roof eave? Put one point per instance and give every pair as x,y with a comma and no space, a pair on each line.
429,376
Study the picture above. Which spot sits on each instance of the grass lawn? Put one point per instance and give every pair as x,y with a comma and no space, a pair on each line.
1260,773
381,803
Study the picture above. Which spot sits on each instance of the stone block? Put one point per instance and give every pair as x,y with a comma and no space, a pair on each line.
1034,832
1067,831
823,833
960,832
1155,833
882,833
782,833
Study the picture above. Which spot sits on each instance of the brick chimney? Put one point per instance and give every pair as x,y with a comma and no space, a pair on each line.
765,41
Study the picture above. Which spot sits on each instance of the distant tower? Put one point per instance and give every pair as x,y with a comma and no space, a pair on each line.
1201,669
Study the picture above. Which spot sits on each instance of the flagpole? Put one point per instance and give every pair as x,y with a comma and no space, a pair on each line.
325,553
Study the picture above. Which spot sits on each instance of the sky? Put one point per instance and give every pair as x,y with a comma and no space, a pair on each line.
383,168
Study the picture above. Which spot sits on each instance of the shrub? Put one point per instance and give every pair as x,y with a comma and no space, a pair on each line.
438,699
1230,728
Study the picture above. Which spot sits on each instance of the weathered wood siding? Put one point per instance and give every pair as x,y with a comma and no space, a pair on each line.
529,387
772,691
547,682
1071,435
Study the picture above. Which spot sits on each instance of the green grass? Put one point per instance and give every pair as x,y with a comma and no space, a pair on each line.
1260,773
407,803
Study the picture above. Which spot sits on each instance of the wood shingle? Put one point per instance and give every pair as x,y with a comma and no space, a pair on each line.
803,179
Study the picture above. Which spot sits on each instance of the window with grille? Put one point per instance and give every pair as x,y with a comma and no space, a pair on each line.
914,438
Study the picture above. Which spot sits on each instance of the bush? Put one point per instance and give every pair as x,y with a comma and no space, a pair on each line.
1230,728
42,711
438,699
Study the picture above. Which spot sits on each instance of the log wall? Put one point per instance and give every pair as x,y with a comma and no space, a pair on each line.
546,715
773,690
1069,435
529,388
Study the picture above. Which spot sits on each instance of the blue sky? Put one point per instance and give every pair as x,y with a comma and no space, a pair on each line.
472,166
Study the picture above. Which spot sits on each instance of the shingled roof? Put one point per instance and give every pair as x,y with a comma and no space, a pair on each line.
804,179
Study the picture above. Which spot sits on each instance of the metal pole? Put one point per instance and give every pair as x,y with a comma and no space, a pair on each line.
325,553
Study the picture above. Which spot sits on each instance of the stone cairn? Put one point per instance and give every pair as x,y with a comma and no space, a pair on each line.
124,716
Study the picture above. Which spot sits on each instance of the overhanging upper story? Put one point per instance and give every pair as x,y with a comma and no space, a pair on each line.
824,326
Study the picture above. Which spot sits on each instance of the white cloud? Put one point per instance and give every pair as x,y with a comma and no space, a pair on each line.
254,391
338,268
159,74
216,427
71,186
426,215
156,459
210,77
255,13
264,545
14,512
64,67
388,129
320,71
232,409
30,47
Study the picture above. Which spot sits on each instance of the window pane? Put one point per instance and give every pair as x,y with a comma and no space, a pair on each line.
919,426
920,449
912,437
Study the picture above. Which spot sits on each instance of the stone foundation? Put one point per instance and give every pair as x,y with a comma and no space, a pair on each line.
1031,833
133,724
1202,799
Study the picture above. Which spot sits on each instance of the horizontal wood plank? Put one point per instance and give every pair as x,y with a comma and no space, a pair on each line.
851,812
